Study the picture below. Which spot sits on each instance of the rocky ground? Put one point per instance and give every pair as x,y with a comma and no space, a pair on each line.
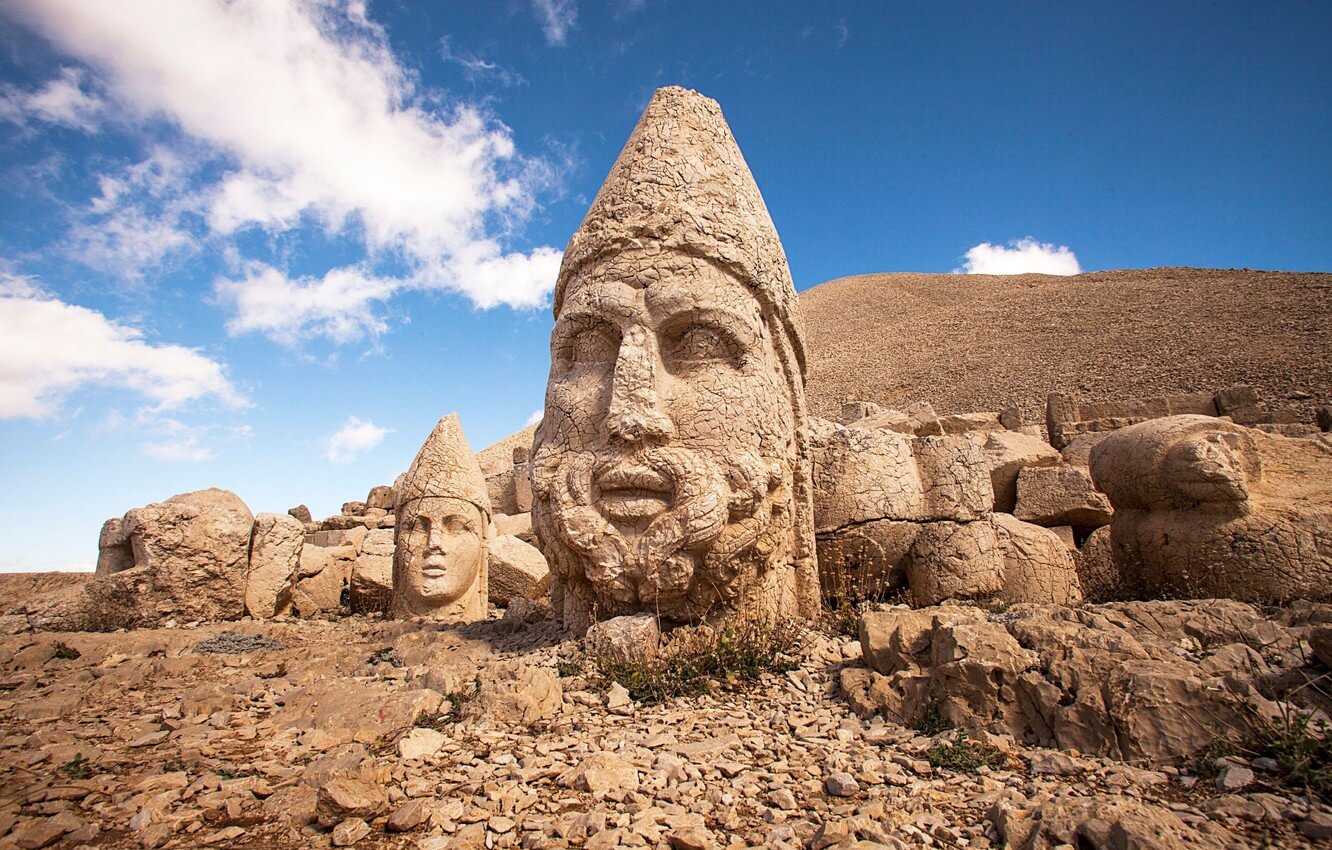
979,342
390,734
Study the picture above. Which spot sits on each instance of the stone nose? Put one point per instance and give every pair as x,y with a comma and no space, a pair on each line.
635,413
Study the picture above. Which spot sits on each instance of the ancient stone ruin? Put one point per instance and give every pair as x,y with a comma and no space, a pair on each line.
671,469
682,613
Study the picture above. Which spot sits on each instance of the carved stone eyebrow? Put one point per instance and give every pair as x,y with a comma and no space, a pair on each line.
668,306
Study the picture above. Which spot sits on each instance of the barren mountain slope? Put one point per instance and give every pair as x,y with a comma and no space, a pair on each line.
981,342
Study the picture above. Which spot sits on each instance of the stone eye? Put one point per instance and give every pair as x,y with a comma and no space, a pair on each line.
704,344
589,344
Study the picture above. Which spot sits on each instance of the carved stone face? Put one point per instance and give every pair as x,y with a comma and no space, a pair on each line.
661,472
438,557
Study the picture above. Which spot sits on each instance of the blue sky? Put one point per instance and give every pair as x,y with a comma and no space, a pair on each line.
264,246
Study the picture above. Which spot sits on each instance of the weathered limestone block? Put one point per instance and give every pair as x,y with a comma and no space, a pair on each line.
517,571
275,557
186,558
1102,821
1005,454
1097,572
873,491
1061,495
1106,680
1207,508
963,423
670,472
1038,567
955,560
633,637
516,692
352,537
517,525
371,585
1065,417
114,552
916,419
382,497
440,562
301,513
854,411
1078,450
324,575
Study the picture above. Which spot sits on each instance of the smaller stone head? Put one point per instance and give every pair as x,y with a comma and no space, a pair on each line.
441,535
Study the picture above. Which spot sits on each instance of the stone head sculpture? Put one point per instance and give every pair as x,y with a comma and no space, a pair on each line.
671,469
442,532
1207,508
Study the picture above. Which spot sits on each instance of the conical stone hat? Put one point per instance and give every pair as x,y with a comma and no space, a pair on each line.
445,466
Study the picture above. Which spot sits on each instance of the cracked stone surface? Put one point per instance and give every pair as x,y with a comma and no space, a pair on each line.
1204,507
671,469
442,530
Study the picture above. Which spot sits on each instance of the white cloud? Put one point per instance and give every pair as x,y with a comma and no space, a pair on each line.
313,120
175,441
340,306
537,416
61,100
355,437
1022,256
49,349
476,69
556,17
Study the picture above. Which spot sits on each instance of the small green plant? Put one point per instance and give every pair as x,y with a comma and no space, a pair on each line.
849,590
75,768
733,653
933,722
65,651
1300,745
963,755
565,669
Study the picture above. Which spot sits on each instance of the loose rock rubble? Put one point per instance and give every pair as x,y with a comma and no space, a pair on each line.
369,733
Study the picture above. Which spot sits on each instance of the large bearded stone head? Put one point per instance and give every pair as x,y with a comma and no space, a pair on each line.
670,471
441,534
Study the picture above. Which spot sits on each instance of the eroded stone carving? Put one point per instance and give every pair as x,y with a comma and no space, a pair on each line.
671,470
1204,507
442,531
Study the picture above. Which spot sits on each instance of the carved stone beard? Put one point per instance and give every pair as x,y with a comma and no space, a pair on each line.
684,562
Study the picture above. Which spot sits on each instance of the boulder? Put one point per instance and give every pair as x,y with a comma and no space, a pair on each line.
1078,451
186,558
515,525
301,514
517,571
955,560
1005,454
352,537
1038,567
1061,495
324,575
517,692
371,584
962,423
633,637
275,556
1102,821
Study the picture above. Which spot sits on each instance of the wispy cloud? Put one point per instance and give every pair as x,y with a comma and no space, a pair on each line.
355,437
557,18
476,69
304,117
61,100
49,349
1021,256
537,416
174,441
843,33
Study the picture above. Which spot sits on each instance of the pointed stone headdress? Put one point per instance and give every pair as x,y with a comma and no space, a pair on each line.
682,185
445,466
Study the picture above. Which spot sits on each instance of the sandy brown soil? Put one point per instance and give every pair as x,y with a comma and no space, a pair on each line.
971,342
